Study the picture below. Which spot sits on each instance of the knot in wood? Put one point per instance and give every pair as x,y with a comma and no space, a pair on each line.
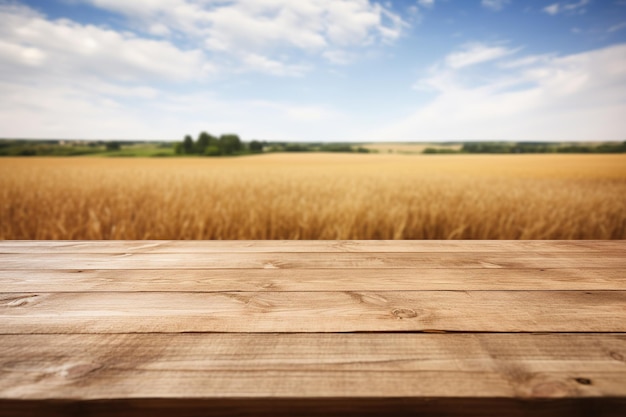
404,313
21,301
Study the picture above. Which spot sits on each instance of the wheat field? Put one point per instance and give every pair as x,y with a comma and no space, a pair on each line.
315,196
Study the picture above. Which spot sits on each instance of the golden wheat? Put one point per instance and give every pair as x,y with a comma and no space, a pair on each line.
315,196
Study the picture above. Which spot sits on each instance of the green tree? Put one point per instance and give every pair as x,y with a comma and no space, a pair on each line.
230,144
212,151
188,146
204,141
256,146
113,146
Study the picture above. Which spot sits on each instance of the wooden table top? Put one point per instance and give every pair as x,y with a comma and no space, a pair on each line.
435,328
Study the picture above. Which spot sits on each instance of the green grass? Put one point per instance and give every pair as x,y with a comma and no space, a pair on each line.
149,150
81,148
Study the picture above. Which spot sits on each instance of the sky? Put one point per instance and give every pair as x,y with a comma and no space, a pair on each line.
314,70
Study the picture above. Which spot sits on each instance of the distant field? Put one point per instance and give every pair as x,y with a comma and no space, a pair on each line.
408,148
315,196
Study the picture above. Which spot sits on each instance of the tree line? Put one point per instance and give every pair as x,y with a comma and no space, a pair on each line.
209,145
531,147
230,144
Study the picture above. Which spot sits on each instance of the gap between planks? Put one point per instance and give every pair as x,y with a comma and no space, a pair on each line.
165,246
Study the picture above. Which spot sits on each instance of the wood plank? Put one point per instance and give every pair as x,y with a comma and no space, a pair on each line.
540,374
305,365
312,260
374,279
306,246
266,328
464,311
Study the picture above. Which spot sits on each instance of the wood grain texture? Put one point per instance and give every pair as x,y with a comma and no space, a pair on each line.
252,280
305,365
488,311
463,260
281,328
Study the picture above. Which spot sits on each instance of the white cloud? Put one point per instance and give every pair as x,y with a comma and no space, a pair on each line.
266,65
70,112
526,61
59,78
444,76
426,3
495,5
552,9
476,53
575,6
24,55
575,97
257,34
339,57
244,28
67,49
65,111
616,27
310,113
159,29
569,8
62,79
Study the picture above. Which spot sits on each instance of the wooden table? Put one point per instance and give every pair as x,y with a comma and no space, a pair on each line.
471,328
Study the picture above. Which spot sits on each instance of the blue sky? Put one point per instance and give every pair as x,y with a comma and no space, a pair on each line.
314,70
